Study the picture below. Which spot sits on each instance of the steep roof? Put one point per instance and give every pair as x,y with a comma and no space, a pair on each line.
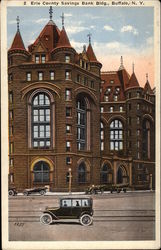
49,36
63,39
147,88
133,82
124,77
91,54
17,42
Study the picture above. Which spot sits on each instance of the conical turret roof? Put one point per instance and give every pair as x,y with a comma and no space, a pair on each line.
63,39
133,82
147,88
17,42
91,54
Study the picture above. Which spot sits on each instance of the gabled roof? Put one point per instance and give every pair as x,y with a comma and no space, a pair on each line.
90,54
124,77
63,39
133,82
49,36
17,42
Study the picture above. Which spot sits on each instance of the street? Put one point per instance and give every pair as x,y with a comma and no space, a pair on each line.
123,216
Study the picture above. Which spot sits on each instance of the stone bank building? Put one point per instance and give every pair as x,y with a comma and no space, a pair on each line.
66,115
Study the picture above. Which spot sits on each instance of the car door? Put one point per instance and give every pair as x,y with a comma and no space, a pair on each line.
76,208
65,208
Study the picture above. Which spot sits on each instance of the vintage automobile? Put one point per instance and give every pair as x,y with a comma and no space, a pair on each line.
12,191
70,208
40,190
95,189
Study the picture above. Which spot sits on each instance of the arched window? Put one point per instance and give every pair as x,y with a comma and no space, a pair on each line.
106,174
116,135
146,139
41,121
82,173
81,124
41,172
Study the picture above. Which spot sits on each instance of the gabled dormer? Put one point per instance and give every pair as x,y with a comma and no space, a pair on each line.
40,53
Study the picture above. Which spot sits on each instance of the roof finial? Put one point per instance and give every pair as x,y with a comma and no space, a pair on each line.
51,13
89,35
121,61
133,67
62,17
146,76
18,22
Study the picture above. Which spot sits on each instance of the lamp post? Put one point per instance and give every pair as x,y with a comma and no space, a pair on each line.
70,180
151,182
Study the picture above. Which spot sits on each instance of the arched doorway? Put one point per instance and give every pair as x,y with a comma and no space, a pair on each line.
41,172
122,176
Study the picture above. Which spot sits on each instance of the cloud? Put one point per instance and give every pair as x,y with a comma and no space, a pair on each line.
41,20
12,22
78,46
108,28
68,15
130,29
75,29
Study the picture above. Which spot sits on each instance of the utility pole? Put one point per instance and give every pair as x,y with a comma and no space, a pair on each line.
70,180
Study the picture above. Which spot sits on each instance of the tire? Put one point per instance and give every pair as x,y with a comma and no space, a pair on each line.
42,192
26,193
46,219
86,220
11,193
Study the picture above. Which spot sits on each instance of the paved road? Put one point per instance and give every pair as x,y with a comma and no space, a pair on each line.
129,216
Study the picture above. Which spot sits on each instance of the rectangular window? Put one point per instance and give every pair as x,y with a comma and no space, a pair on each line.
11,147
11,178
68,160
68,112
92,84
10,97
102,134
10,77
138,106
138,94
78,78
102,145
11,162
67,75
112,81
43,58
102,109
52,75
121,108
106,98
85,81
11,131
67,58
37,59
138,144
28,76
11,114
115,98
129,95
40,76
68,146
138,155
138,120
138,132
68,95
111,109
68,129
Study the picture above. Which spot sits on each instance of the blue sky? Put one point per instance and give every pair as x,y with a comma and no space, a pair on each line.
115,31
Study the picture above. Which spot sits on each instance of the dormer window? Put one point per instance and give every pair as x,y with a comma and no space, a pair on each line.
117,90
115,98
112,81
67,58
43,58
106,98
37,59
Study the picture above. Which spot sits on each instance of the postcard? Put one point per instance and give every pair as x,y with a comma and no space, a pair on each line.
80,83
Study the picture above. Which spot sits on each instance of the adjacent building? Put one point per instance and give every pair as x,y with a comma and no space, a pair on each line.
66,117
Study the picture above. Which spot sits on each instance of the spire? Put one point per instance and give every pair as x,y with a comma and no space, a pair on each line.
18,23
51,13
91,54
17,41
147,86
121,63
62,17
146,77
133,67
89,36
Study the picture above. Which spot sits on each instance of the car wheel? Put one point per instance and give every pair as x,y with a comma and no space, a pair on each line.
11,193
26,193
42,192
86,220
46,219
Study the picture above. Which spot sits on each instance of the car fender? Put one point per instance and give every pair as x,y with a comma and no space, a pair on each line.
53,215
86,212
